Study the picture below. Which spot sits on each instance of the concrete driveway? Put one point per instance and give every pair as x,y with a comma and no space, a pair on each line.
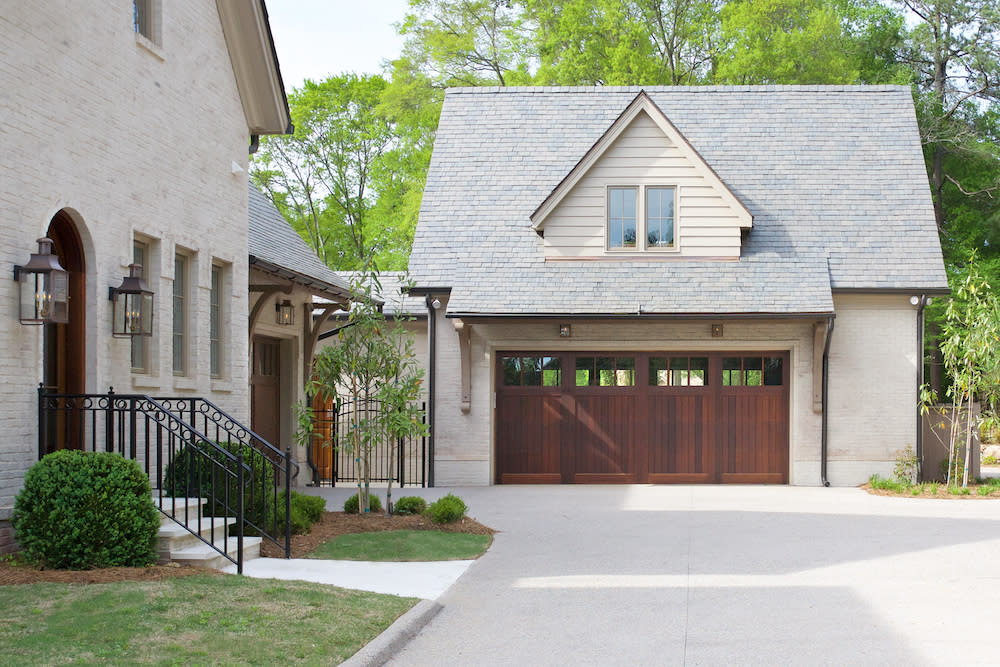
720,575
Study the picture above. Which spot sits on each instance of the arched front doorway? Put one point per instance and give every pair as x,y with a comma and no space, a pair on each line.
64,361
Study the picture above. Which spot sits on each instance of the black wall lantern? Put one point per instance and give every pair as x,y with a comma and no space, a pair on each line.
284,313
133,311
43,295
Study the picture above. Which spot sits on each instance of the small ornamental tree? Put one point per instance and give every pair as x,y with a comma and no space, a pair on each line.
373,361
970,347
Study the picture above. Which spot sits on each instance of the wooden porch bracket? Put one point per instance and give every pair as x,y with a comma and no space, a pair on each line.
266,292
310,333
465,355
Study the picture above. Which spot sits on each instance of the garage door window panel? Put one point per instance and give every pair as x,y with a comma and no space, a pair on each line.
678,371
531,371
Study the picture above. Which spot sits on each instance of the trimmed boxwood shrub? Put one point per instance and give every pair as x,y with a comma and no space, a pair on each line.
351,505
409,505
82,510
305,511
446,509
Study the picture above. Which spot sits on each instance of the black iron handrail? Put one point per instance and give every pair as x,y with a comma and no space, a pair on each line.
240,477
268,499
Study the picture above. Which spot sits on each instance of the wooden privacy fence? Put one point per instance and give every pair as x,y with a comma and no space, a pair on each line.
331,456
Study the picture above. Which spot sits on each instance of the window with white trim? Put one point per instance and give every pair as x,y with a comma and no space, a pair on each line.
140,345
146,19
180,314
647,213
216,307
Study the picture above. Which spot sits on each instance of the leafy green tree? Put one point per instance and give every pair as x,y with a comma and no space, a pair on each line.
971,349
329,177
467,42
374,362
784,41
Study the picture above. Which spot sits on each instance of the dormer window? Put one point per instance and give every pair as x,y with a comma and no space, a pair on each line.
656,226
660,217
622,206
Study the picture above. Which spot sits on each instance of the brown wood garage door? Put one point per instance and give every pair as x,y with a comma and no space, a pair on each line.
642,417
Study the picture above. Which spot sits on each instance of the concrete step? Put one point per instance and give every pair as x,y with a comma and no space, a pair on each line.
174,536
202,555
182,508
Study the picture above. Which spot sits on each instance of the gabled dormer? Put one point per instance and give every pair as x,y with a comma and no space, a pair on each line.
641,192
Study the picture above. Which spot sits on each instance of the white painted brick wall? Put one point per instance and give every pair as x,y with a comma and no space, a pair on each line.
873,385
131,142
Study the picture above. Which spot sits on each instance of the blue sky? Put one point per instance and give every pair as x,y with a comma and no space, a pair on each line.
317,38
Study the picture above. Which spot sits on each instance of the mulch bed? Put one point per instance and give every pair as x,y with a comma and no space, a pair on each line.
13,571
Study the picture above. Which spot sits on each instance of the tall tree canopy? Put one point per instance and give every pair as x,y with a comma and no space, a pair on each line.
336,178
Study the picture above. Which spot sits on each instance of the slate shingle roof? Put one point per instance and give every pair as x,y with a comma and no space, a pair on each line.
394,301
273,243
833,175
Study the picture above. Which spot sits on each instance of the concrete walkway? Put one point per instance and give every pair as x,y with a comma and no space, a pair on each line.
414,580
718,575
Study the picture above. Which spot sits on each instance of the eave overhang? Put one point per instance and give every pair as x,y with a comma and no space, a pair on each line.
315,285
255,66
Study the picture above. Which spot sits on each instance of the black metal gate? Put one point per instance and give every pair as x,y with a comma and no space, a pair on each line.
333,461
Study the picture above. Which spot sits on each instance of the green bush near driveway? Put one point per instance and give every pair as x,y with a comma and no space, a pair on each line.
407,505
351,505
446,509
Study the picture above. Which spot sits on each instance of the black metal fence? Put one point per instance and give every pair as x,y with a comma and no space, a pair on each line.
332,457
188,447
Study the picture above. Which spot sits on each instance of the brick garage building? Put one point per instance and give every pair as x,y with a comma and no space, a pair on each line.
710,284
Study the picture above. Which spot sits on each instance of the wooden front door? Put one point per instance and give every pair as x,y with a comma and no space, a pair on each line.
653,417
64,351
265,389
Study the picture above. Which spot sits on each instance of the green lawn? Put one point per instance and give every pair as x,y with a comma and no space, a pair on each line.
403,545
203,620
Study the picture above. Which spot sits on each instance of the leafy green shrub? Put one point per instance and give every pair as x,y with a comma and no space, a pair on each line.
198,472
887,484
934,488
985,490
351,505
907,466
311,507
410,505
446,509
959,490
990,461
81,510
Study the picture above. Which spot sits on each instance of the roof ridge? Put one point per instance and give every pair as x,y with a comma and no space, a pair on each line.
756,89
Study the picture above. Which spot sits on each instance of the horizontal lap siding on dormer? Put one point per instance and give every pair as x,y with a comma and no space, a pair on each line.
706,226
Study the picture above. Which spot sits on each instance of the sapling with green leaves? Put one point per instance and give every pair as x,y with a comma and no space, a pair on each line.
373,361
970,347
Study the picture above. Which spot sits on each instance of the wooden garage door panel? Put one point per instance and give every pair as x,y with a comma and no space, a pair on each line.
753,435
679,435
529,433
605,431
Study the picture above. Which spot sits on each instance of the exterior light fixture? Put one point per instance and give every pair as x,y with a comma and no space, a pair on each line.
284,313
716,331
565,331
436,303
133,309
914,300
44,288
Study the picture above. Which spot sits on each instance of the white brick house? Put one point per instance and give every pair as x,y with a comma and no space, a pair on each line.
125,129
706,284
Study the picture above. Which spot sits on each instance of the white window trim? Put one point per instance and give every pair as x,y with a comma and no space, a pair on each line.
187,297
640,219
225,331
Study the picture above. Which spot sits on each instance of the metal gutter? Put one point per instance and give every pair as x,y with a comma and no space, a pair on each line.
924,300
892,290
643,316
826,400
431,368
